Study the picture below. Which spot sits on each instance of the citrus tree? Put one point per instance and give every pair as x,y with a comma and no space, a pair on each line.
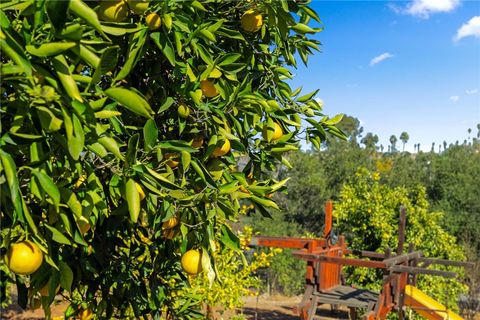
122,125
368,213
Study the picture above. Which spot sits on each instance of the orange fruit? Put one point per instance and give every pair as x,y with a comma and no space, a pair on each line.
85,314
170,223
222,150
277,132
153,21
113,11
208,89
24,258
192,262
251,21
171,160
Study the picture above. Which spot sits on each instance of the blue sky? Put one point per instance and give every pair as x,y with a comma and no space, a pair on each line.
398,66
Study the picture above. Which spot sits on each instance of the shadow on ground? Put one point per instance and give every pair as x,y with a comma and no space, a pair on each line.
286,313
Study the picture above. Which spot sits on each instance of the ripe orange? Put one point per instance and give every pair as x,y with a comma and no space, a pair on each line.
153,21
251,21
222,150
277,132
192,262
171,160
208,89
24,258
85,314
183,110
138,6
170,223
113,11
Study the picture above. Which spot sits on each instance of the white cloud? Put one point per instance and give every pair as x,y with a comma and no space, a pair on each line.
454,98
472,91
424,8
380,58
471,28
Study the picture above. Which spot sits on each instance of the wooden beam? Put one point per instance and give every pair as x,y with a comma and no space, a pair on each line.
416,270
285,242
339,260
429,261
402,258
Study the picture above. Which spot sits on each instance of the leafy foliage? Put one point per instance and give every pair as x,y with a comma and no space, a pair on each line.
368,212
96,156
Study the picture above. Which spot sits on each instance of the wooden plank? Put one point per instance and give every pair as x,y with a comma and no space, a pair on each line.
347,296
417,270
402,258
339,260
429,261
284,242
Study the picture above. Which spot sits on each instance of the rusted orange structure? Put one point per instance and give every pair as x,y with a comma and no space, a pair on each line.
325,259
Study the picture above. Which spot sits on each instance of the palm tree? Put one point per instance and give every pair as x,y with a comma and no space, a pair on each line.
404,138
393,141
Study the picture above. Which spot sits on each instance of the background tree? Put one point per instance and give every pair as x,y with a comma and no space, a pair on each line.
404,138
370,141
122,124
393,143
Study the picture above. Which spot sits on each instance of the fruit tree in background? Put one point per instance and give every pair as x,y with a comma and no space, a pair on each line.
122,124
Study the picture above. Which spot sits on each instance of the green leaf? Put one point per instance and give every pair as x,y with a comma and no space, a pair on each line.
49,49
111,145
150,134
333,121
10,170
308,96
47,184
108,62
58,236
229,239
66,276
61,68
164,44
130,100
136,46
48,120
133,200
82,10
131,156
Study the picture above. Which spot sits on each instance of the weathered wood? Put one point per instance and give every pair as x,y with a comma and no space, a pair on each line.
402,258
347,296
283,242
429,261
339,260
417,270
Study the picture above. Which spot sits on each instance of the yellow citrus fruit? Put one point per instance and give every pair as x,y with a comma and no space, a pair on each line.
138,6
141,193
208,89
215,167
153,21
24,258
183,110
251,21
79,181
222,150
113,11
197,142
277,132
192,262
172,161
170,223
85,314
